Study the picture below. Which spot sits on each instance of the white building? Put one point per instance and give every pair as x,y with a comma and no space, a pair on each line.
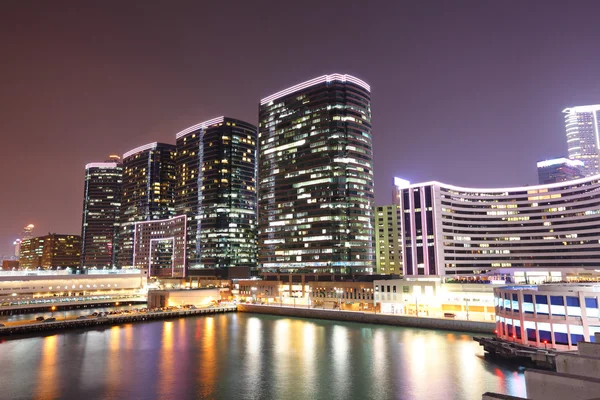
432,298
529,234
548,316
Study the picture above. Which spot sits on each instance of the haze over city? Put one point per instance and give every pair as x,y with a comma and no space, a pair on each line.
469,94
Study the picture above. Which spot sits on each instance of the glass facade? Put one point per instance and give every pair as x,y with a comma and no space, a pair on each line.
148,192
216,189
583,139
559,170
101,209
316,177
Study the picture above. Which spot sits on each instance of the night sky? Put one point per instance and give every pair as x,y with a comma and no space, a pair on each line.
469,93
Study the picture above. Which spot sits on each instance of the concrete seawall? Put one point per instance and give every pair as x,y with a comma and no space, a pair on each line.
370,318
58,326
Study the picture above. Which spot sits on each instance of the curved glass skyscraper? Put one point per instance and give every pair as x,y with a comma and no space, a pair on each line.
316,177
216,189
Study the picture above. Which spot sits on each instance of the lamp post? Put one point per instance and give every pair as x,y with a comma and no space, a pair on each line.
53,309
339,292
417,306
467,307
254,294
280,296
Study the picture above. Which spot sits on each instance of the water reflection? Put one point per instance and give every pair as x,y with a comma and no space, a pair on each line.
47,385
248,356
165,361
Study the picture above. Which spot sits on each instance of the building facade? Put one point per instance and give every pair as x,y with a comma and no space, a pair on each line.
526,234
149,179
216,189
159,247
387,239
101,211
583,139
434,298
52,251
31,253
559,170
548,316
316,177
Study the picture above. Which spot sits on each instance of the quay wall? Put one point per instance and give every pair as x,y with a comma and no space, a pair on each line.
92,322
371,318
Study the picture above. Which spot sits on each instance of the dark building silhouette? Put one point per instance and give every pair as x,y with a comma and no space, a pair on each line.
216,190
101,207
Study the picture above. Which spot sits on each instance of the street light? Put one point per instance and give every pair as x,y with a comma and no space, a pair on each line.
53,309
339,292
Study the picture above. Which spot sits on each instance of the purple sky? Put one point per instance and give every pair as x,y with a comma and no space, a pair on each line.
468,93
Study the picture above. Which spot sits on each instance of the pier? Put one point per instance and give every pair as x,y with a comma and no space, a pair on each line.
518,353
94,322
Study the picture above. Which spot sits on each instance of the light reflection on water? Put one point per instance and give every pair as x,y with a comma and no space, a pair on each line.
247,356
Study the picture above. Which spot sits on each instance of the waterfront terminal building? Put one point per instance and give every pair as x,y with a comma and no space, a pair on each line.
531,234
548,316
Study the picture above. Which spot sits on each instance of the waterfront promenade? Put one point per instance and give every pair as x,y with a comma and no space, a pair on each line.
372,318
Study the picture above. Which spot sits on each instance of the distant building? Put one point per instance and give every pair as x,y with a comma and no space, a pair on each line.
149,178
52,251
27,233
316,177
388,235
559,170
159,247
32,251
101,207
216,190
583,138
9,265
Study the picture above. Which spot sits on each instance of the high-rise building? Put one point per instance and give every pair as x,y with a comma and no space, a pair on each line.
316,177
27,233
388,239
583,138
52,251
216,190
101,207
559,170
148,192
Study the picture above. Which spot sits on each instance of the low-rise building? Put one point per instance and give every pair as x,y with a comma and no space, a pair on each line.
183,297
548,316
432,298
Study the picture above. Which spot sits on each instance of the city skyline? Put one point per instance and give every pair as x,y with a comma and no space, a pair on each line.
118,105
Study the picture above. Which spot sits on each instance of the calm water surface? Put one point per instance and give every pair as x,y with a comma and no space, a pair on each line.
250,356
